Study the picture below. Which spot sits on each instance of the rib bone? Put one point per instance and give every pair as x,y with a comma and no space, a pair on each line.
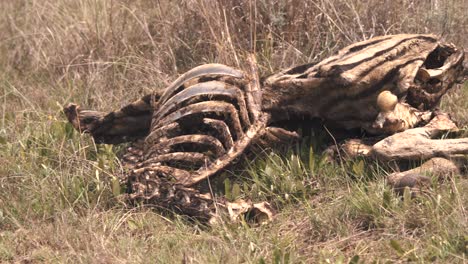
211,88
203,70
164,147
219,108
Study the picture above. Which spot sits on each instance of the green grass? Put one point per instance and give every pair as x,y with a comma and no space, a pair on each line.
59,202
59,192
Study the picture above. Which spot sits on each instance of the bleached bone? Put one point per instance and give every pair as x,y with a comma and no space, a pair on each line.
418,143
386,101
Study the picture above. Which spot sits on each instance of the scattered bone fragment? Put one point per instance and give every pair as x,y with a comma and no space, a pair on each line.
259,213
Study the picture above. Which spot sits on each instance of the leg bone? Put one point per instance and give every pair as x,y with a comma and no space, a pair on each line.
417,143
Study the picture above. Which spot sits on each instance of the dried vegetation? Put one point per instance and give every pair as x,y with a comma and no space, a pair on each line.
58,199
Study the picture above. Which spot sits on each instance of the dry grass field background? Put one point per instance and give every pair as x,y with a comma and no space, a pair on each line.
59,191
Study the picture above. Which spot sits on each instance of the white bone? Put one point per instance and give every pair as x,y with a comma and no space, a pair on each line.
386,101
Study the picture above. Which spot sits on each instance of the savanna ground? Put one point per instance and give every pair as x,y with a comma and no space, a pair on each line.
59,191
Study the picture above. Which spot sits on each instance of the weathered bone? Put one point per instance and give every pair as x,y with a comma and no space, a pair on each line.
252,91
417,143
454,60
427,94
383,85
129,123
203,70
278,135
220,108
161,133
211,88
259,213
166,171
344,87
163,147
386,101
196,159
241,145
402,117
415,179
354,148
224,135
412,144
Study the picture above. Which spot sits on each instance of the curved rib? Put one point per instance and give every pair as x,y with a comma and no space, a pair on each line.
207,69
221,108
167,131
211,88
197,159
166,171
222,131
223,161
164,147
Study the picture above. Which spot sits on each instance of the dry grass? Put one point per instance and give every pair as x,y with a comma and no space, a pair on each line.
58,190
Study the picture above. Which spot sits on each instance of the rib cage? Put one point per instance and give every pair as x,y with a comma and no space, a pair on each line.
202,122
